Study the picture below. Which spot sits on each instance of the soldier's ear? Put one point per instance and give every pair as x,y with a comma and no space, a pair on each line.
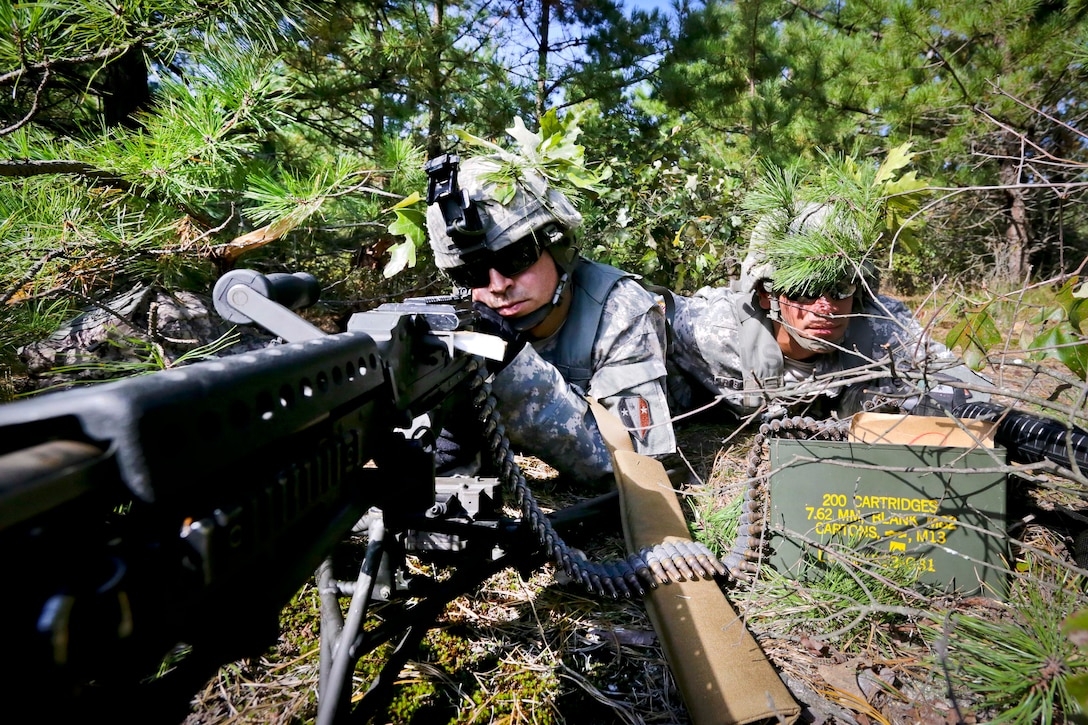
764,295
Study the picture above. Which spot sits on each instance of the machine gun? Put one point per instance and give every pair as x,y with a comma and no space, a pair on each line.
157,526
161,523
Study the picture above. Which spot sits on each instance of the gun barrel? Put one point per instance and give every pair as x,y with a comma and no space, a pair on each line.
1031,438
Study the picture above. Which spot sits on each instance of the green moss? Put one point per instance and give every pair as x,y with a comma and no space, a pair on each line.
514,693
449,649
412,702
300,622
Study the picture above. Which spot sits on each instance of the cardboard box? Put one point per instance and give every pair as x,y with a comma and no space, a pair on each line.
889,505
920,430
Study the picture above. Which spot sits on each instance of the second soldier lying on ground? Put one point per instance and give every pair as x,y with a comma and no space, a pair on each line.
805,331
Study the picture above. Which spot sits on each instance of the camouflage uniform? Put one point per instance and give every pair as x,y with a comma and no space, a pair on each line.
724,342
610,345
549,417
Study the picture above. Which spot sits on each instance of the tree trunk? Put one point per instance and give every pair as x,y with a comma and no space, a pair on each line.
542,58
434,90
1018,232
377,111
125,91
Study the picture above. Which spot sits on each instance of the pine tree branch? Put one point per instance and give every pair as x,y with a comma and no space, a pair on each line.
47,65
104,54
33,107
28,167
28,277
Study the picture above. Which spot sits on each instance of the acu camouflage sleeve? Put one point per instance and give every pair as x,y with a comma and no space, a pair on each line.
909,342
896,328
549,418
629,374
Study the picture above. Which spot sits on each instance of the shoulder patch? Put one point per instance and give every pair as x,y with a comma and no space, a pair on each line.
634,411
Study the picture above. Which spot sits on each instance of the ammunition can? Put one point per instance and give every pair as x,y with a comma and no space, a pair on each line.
929,515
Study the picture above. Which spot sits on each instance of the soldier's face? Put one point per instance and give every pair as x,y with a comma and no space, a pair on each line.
522,293
822,318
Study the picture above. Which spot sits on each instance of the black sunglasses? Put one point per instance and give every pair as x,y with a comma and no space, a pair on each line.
509,261
838,292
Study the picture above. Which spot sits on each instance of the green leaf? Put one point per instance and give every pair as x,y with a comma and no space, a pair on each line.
503,192
410,224
897,158
1077,314
529,142
1076,622
974,359
477,141
1072,305
1061,342
975,335
1077,687
413,198
401,255
583,180
1075,628
977,328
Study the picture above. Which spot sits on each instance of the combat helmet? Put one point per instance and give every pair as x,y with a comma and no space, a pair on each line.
813,248
806,249
476,209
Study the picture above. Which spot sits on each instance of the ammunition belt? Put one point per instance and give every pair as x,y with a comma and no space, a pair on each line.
659,564
743,559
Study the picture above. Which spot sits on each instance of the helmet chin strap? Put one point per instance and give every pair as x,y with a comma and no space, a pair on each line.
808,343
534,318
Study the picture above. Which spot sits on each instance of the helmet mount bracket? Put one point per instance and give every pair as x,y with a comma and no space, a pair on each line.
459,211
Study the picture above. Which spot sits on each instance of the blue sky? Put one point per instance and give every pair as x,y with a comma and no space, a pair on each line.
665,5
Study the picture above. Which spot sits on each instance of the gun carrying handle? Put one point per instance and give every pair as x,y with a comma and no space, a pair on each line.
244,296
722,673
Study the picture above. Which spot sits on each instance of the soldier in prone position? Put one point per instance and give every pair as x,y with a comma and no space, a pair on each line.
573,327
805,331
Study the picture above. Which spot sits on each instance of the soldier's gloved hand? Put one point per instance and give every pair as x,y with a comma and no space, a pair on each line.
455,454
492,323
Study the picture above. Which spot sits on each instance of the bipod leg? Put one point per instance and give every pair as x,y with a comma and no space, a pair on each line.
416,622
340,650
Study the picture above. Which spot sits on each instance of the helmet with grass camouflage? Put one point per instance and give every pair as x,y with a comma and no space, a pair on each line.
510,210
816,247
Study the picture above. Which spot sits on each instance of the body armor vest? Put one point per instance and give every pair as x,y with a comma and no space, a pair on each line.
591,284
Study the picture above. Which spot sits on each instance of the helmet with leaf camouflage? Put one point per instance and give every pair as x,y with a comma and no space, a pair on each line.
512,205
810,238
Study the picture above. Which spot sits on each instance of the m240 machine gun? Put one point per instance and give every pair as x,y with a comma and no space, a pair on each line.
183,509
159,524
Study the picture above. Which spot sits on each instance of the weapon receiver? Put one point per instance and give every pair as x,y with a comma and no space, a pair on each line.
184,508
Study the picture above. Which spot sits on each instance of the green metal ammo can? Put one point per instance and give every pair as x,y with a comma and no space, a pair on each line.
932,514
